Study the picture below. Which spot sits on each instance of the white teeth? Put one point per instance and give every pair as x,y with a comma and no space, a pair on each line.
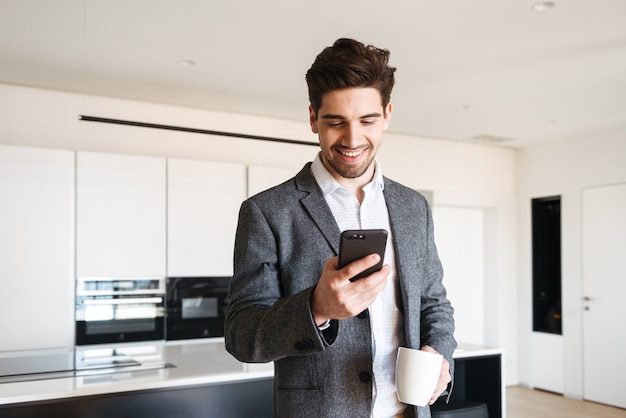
351,153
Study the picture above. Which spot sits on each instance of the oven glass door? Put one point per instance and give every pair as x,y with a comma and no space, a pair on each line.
196,307
200,306
109,319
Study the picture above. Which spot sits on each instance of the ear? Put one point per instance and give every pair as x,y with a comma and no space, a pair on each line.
312,120
388,110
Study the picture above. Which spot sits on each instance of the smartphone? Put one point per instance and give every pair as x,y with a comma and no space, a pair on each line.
357,243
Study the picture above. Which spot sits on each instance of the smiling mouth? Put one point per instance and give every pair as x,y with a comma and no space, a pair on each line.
351,154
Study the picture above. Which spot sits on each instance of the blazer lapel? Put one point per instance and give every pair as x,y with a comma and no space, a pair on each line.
404,233
401,227
315,204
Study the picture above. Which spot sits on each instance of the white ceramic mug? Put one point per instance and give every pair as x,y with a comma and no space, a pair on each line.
417,374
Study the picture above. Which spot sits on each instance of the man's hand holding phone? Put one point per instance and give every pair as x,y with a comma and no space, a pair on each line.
344,292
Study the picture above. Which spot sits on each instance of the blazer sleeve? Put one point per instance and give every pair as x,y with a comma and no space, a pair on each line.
263,322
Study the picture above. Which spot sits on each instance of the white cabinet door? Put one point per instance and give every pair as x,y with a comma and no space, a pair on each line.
262,178
121,215
203,206
37,248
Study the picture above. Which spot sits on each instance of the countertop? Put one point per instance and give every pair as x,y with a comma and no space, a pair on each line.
472,350
194,362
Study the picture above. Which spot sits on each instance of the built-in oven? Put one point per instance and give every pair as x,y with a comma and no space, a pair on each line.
196,307
113,310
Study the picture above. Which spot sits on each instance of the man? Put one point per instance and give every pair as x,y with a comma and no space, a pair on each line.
333,341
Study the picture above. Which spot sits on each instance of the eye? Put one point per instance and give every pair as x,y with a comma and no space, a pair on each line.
368,121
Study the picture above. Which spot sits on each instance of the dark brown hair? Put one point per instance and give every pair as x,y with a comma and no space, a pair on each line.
349,63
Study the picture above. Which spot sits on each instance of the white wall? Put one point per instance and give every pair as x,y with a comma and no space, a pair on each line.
560,169
459,174
460,243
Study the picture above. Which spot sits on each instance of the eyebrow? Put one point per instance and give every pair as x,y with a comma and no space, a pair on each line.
341,117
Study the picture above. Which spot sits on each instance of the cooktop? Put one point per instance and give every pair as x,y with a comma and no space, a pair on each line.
54,364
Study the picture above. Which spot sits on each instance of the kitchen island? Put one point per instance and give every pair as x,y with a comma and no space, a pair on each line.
174,379
197,378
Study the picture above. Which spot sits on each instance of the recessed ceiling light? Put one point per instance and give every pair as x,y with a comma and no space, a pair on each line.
543,6
186,63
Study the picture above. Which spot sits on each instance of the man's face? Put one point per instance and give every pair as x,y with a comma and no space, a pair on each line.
350,125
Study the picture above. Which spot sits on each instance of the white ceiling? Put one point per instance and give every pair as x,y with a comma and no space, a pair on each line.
466,69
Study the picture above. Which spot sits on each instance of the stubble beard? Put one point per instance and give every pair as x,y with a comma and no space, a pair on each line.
350,172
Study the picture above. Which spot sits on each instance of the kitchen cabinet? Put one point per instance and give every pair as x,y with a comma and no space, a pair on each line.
37,247
262,178
201,380
203,201
121,215
479,377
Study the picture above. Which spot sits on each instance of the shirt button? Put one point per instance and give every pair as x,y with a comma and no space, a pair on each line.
365,377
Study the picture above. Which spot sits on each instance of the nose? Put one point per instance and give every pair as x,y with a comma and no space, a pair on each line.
352,135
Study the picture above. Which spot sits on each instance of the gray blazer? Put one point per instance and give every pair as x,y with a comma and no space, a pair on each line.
283,239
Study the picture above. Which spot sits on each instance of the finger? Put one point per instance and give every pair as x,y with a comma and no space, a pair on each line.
332,264
361,265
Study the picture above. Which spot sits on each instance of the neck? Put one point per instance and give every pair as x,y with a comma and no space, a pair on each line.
355,185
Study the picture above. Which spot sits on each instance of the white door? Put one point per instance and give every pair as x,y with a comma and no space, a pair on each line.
604,292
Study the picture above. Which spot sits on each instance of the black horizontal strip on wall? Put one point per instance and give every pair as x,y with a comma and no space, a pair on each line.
192,130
